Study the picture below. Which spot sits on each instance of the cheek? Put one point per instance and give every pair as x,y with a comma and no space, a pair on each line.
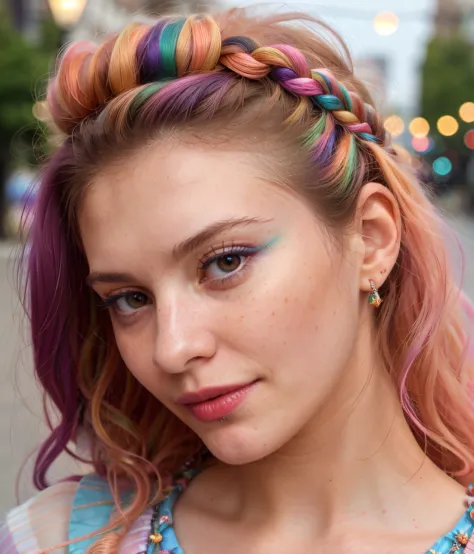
135,344
302,318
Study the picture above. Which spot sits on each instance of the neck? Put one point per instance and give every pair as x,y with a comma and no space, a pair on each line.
358,457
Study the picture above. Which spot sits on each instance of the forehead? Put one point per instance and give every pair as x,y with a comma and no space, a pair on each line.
178,180
168,192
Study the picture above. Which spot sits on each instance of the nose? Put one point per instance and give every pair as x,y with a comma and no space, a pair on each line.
183,334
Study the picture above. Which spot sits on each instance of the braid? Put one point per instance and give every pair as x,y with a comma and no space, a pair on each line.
176,48
287,66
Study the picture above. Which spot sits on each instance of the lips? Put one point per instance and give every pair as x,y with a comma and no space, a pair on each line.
214,403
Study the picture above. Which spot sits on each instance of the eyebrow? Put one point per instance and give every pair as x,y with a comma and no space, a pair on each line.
183,248
99,277
193,243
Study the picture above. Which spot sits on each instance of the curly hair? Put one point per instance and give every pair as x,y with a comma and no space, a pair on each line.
208,78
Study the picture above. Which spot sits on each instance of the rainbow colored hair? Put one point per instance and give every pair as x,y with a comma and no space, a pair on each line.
206,74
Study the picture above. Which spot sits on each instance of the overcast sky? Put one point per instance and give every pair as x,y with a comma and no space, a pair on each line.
403,50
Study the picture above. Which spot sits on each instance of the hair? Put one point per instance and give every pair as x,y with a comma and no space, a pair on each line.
206,77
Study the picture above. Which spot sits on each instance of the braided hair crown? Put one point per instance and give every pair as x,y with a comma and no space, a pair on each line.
150,57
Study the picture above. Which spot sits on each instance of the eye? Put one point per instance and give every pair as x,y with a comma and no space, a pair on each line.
131,302
222,266
229,262
126,302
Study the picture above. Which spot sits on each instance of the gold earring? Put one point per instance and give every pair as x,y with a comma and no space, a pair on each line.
374,296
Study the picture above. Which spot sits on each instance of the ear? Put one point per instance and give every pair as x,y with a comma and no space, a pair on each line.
379,226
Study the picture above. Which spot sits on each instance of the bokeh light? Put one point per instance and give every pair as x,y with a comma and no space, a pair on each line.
420,144
419,127
67,12
447,125
469,139
386,23
466,112
394,125
442,166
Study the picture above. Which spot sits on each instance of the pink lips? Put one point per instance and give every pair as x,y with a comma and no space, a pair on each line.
215,403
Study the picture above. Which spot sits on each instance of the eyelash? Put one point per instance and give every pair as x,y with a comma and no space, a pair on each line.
248,252
204,263
110,301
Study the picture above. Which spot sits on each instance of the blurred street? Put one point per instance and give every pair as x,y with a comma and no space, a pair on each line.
21,428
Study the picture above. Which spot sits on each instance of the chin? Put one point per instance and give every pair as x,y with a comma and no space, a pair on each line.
236,457
234,446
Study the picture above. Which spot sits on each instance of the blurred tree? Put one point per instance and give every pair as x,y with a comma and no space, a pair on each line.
22,68
447,82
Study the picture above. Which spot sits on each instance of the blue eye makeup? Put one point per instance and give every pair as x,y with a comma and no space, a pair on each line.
229,261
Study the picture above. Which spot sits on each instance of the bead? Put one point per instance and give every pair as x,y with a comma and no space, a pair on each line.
156,538
164,519
462,538
374,299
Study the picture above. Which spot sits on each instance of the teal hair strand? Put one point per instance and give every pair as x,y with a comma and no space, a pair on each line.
168,41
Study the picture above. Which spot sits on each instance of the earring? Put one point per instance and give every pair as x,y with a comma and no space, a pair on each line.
374,296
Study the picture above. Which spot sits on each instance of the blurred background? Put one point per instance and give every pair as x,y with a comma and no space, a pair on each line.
417,56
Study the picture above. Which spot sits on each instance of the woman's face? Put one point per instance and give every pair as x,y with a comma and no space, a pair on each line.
229,302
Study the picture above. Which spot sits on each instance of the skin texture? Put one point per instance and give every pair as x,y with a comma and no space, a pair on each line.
321,436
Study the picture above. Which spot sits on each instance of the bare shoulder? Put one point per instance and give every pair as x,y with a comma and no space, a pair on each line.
40,523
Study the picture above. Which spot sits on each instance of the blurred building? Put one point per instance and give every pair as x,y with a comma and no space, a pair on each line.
26,14
468,19
452,15
373,70
466,5
448,17
156,6
102,17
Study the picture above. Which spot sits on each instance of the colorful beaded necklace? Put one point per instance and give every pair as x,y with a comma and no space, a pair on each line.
162,538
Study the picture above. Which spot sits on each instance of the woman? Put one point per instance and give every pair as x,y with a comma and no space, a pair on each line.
240,299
